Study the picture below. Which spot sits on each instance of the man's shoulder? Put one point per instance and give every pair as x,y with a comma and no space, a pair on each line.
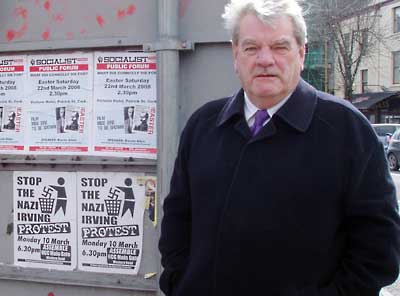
333,107
344,120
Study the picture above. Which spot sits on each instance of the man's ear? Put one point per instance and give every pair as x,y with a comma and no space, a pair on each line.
302,53
235,50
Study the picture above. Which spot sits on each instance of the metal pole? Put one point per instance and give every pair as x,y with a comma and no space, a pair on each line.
326,65
167,100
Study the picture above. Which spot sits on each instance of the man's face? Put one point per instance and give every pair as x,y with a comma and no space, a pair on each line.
130,112
143,117
267,59
11,116
62,112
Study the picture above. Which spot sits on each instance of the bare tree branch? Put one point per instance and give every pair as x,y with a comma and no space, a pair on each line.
351,29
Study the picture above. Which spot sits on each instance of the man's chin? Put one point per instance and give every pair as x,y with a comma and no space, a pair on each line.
267,93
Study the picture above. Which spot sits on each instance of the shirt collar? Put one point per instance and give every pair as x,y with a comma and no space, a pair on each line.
297,110
250,109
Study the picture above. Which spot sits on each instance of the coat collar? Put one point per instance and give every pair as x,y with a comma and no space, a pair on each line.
298,111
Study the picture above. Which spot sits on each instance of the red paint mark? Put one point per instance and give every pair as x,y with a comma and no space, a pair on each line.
83,31
22,12
46,5
21,31
46,34
183,4
131,9
50,294
100,20
10,35
121,14
59,18
70,35
13,34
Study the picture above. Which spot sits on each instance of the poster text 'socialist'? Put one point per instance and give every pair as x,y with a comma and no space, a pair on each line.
12,77
45,220
125,104
110,222
60,96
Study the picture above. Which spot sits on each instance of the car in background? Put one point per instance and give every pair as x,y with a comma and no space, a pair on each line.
385,131
393,151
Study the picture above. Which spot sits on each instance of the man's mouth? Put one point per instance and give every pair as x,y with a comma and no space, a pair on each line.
266,76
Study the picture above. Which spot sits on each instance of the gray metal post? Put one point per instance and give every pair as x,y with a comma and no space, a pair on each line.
167,101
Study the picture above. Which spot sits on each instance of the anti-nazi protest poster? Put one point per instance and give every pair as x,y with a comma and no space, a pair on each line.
12,77
125,104
110,222
60,92
45,220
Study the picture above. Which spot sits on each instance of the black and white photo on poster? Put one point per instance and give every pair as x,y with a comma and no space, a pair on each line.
110,222
45,220
143,121
11,119
139,118
129,121
60,119
75,119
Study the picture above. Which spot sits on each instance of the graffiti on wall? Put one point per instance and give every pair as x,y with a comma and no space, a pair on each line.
47,18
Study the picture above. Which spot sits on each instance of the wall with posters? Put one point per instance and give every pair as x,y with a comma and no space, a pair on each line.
80,103
79,228
78,100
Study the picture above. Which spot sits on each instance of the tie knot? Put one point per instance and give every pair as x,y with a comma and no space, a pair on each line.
260,118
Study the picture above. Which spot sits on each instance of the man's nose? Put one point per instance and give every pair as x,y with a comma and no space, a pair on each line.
265,57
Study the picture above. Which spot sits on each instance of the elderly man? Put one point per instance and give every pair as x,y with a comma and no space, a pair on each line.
129,122
73,125
143,126
280,189
60,119
11,121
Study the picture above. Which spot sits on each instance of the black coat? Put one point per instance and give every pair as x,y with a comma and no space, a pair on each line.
307,207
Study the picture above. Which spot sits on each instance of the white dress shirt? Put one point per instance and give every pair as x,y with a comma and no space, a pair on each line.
250,109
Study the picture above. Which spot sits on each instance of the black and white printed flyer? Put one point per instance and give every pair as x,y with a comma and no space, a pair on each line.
110,222
45,220
125,104
12,103
60,92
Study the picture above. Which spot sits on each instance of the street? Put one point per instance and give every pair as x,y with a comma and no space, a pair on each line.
394,290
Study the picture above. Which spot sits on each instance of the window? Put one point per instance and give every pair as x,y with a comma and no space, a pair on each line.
396,67
364,80
396,19
364,42
396,135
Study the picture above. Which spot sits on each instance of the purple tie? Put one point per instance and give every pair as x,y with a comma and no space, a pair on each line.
261,117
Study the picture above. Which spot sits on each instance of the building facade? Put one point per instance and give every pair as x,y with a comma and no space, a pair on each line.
377,81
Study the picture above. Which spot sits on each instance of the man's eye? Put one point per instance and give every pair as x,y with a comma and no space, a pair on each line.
250,49
281,48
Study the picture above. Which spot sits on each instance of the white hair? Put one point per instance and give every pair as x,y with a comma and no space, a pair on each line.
266,11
